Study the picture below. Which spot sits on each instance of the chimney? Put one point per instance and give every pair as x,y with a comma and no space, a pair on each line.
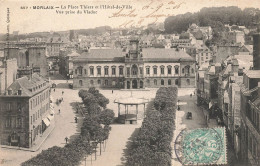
256,50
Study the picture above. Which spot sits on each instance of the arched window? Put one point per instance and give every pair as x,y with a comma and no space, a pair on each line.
80,82
176,82
155,82
91,82
162,70
80,70
187,68
169,82
183,70
148,82
106,82
162,82
99,82
192,70
134,70
169,69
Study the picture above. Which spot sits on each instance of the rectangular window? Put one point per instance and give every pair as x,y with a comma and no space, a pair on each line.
18,122
76,71
91,71
8,122
162,70
121,71
33,117
154,70
106,71
128,71
85,71
202,58
141,70
99,71
147,70
113,71
169,70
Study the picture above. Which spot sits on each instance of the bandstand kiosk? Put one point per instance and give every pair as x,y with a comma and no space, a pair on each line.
130,117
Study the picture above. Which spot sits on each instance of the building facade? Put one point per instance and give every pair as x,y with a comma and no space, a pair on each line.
25,111
134,69
9,76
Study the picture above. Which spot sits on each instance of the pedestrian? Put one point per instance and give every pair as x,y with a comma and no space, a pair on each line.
112,91
66,139
76,120
191,95
54,89
62,92
59,111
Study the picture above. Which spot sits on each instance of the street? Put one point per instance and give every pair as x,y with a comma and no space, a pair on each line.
116,144
64,127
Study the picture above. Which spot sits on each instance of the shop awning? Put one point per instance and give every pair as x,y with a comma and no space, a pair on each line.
50,117
46,121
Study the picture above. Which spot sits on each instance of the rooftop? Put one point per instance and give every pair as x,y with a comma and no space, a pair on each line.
28,87
149,54
253,73
131,100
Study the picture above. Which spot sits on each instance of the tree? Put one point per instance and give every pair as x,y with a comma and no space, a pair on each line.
106,117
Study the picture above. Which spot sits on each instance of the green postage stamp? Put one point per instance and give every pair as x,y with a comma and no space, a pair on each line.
204,146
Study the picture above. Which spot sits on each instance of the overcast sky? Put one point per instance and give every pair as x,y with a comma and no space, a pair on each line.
37,20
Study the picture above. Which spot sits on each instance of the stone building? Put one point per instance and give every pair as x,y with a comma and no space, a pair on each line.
33,56
136,68
9,76
25,111
250,110
250,121
203,55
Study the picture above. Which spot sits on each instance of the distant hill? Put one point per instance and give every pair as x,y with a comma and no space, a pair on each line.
216,17
90,31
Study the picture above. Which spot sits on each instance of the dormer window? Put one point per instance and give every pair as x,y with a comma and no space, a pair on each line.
9,92
19,92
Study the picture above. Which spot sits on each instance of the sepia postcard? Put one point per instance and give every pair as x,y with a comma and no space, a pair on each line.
129,82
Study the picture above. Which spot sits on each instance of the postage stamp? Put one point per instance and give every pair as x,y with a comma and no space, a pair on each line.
204,146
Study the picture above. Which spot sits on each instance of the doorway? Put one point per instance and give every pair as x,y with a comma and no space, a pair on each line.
134,84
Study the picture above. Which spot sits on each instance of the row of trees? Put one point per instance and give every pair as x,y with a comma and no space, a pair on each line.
95,130
152,145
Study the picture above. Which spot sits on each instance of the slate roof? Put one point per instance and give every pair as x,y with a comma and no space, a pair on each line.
115,55
29,87
149,54
157,54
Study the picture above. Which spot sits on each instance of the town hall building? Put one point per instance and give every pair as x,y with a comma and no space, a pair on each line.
134,68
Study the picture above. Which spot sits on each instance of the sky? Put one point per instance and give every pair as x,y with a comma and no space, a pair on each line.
73,14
